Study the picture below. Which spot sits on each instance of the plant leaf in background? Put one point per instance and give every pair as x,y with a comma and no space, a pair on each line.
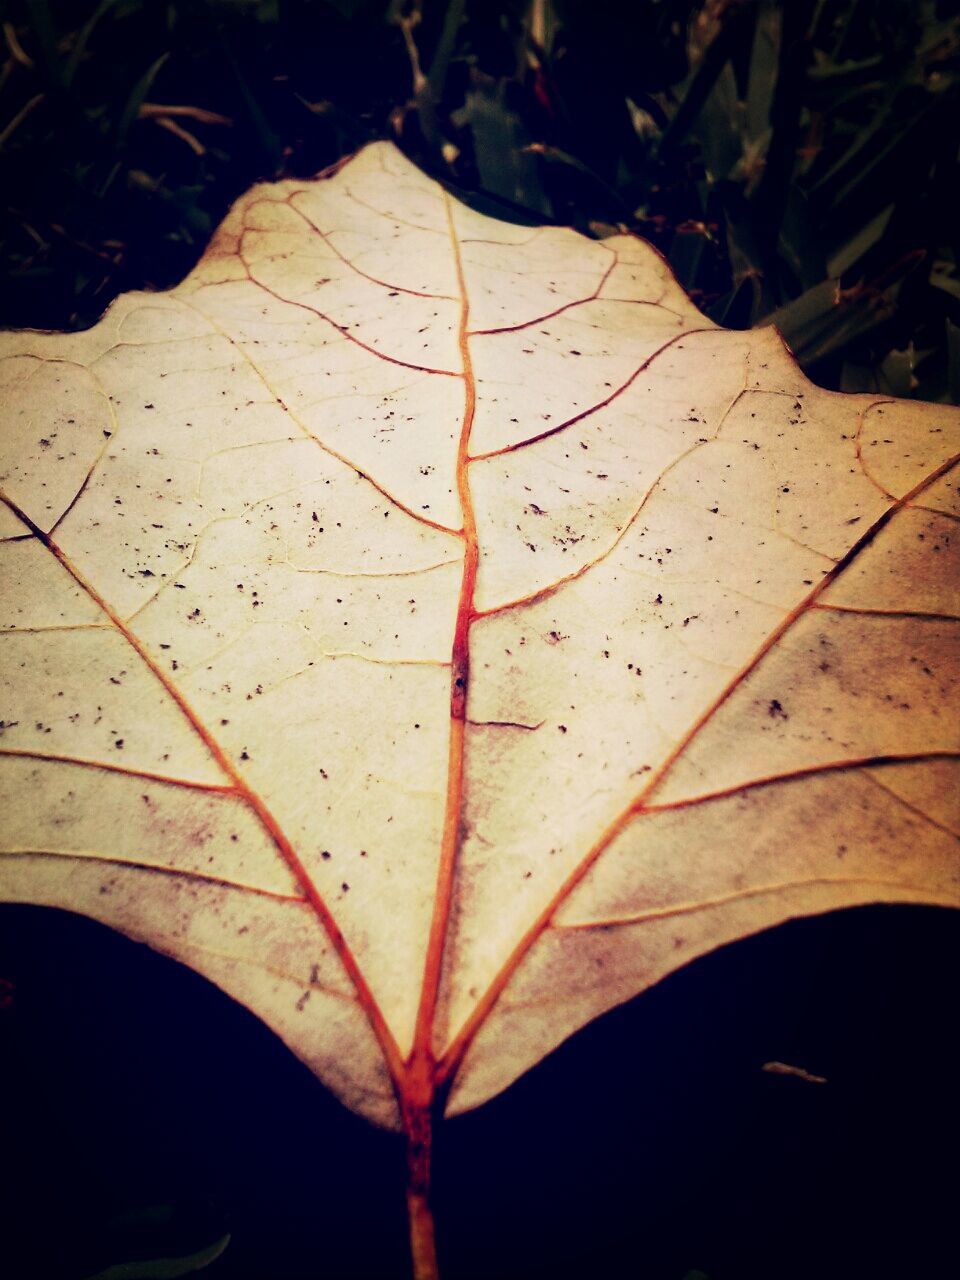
789,160
435,631
149,1237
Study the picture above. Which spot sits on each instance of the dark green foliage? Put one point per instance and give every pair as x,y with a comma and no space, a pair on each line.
794,162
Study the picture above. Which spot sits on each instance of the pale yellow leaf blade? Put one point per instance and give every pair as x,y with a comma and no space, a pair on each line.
435,631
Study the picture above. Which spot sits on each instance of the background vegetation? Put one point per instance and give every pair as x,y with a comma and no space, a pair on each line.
795,162
146,1115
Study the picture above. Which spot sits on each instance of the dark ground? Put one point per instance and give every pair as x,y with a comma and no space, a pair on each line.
647,1147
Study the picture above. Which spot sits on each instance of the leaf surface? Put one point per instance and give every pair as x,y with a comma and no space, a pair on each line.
435,631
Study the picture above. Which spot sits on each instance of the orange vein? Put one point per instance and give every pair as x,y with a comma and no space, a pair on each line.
508,244
738,895
389,217
551,588
459,678
792,617
305,984
912,808
328,449
56,626
794,775
255,802
218,788
158,869
453,1057
858,445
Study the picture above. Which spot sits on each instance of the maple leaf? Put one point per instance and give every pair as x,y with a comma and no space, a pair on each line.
435,631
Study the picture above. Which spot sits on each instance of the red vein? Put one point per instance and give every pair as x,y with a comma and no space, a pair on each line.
104,445
149,775
338,166
566,306
935,511
101,453
506,724
919,614
342,329
578,302
422,1053
389,217
327,238
254,801
453,1057
177,872
80,491
602,404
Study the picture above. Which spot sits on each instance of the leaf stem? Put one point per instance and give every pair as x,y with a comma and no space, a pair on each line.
423,1249
418,1121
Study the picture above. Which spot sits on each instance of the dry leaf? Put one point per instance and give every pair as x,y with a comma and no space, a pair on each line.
435,631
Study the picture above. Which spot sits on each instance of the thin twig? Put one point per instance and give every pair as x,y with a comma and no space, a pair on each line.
15,47
19,118
178,131
149,110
